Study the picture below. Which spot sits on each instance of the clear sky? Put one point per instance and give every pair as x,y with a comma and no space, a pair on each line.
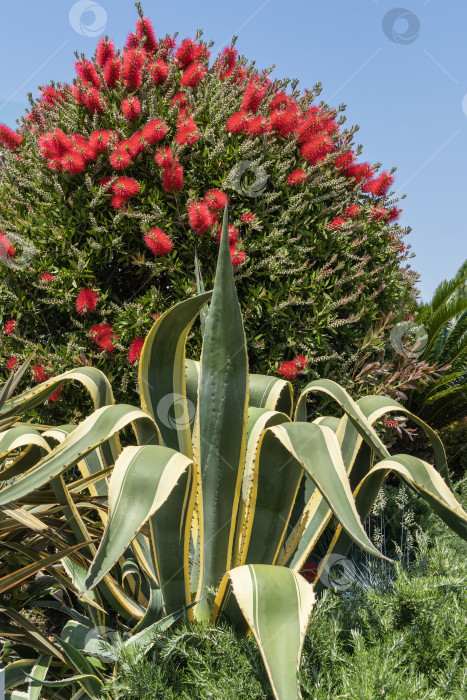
400,69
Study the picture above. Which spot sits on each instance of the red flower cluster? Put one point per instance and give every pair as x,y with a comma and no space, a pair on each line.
9,327
379,186
70,153
158,241
337,223
86,301
237,256
7,249
189,52
131,108
187,131
39,374
46,278
351,211
11,362
103,336
134,352
248,218
233,235
216,200
193,75
9,138
296,177
227,62
200,217
123,188
292,368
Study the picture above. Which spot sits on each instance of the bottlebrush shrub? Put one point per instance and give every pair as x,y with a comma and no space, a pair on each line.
119,177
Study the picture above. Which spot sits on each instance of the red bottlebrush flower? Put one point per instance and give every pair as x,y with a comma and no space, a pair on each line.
360,171
199,216
50,96
104,182
254,94
145,30
82,145
284,121
7,249
9,138
160,71
180,100
136,144
134,352
39,374
193,75
189,52
227,62
315,150
46,278
389,423
279,101
288,370
344,161
73,162
351,211
301,362
167,45
100,139
216,199
112,70
133,60
125,187
11,362
248,218
54,164
120,159
157,241
117,201
86,301
337,223
164,157
237,122
9,327
233,235
312,124
103,336
54,397
393,213
86,70
257,125
132,41
379,186
296,178
378,214
54,144
105,52
237,256
131,108
154,131
95,102
172,178
187,132
402,249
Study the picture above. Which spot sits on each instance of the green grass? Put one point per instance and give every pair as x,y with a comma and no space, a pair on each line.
397,633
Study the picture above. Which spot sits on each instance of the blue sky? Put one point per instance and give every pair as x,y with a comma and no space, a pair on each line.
400,69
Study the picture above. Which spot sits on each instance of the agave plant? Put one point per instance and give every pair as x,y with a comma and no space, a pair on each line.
203,513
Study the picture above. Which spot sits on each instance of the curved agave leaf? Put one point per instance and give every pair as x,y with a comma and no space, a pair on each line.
161,375
93,379
271,392
270,484
94,430
317,449
276,603
38,675
133,499
90,678
422,478
15,438
221,438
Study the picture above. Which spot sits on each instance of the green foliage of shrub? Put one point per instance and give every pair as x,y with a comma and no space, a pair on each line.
313,280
